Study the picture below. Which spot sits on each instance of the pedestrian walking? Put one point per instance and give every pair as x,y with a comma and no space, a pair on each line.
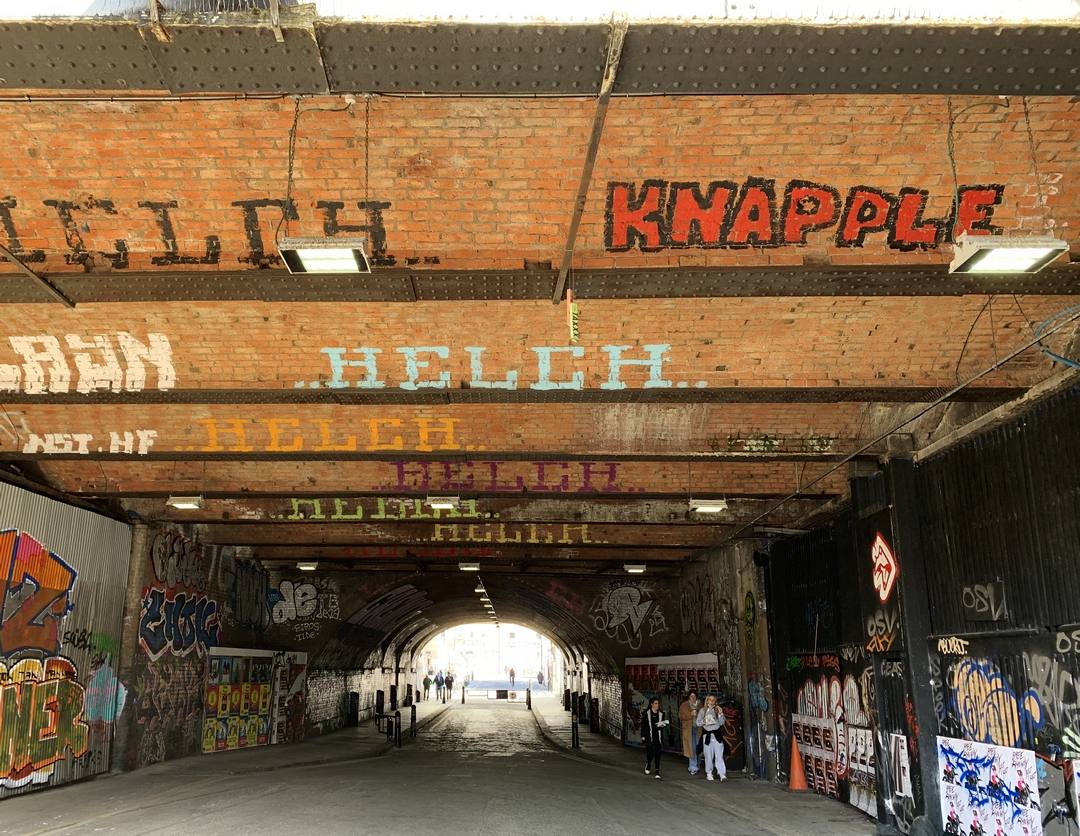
511,676
427,686
448,681
687,715
539,680
440,683
710,720
653,722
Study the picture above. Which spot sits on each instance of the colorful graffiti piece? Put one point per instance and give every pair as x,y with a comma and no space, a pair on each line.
41,719
988,709
988,789
176,617
35,593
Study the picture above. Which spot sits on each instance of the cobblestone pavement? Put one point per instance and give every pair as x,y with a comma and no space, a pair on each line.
484,768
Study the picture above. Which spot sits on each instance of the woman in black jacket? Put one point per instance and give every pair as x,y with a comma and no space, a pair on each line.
653,721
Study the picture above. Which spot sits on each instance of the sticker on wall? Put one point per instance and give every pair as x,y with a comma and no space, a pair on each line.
988,789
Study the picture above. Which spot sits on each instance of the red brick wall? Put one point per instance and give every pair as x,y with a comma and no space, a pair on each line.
484,183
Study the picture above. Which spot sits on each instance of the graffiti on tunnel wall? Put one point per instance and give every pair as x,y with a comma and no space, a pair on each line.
628,612
661,215
59,632
832,721
1017,691
177,617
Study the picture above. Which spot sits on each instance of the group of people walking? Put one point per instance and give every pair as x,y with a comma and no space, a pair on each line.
444,685
701,738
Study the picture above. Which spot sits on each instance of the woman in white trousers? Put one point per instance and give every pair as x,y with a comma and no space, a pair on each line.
710,720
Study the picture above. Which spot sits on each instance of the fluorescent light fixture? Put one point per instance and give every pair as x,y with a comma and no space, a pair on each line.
484,598
443,501
634,568
480,589
489,606
186,503
469,567
1004,254
337,254
307,565
709,506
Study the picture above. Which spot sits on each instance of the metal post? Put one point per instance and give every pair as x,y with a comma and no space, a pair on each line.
574,740
412,722
397,728
528,698
463,695
566,700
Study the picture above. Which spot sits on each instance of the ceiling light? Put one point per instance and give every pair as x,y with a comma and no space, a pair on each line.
489,606
709,506
634,568
338,254
484,598
307,565
469,567
443,501
480,589
186,502
1004,254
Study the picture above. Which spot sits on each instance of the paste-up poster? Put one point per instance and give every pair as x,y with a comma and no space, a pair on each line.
991,790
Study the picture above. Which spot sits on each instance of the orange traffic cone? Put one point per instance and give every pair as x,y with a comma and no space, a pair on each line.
796,776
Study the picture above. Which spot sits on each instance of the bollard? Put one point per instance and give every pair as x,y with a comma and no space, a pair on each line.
412,722
528,698
566,700
463,695
397,728
594,715
575,742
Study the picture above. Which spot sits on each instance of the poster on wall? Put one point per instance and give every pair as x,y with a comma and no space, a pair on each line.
289,697
670,678
236,713
62,576
988,789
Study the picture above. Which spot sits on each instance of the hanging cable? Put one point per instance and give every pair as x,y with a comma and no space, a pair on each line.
952,158
1035,163
1038,335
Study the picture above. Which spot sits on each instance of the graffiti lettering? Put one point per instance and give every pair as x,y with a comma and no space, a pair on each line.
250,588
180,625
35,593
176,560
1068,642
882,627
662,215
298,600
892,669
750,618
41,718
52,444
698,605
985,602
620,612
82,639
1057,690
953,645
501,533
43,357
986,707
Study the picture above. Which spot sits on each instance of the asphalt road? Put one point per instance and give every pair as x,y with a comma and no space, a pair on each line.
481,769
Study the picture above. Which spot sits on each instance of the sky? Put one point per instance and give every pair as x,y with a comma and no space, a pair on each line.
494,11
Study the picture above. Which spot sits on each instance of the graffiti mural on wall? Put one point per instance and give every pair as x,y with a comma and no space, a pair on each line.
303,606
661,214
627,612
697,605
1018,691
59,696
176,616
35,591
45,367
832,721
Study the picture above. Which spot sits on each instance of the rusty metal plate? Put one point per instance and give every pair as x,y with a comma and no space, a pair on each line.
239,59
76,56
798,59
508,285
464,58
728,395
